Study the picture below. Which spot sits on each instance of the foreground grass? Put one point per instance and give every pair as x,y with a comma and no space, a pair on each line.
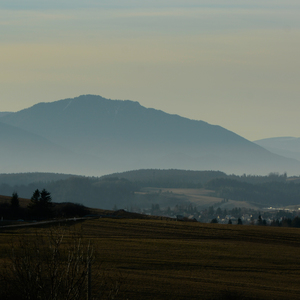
177,260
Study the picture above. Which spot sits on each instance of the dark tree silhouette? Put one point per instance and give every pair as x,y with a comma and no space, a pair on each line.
14,202
259,220
45,197
14,206
40,205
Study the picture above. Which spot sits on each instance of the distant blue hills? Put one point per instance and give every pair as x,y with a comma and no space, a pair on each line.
91,135
285,146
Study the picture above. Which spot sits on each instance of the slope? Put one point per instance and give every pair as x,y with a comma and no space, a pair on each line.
285,146
23,151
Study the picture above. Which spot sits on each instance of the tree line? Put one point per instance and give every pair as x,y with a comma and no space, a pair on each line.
273,193
121,189
40,207
92,192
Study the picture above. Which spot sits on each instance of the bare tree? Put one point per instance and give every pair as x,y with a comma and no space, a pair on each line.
54,265
50,267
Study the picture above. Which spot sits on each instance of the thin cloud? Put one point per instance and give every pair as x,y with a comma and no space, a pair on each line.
196,19
20,17
125,4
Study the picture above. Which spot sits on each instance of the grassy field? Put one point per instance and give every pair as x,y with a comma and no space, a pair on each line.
157,259
6,199
201,198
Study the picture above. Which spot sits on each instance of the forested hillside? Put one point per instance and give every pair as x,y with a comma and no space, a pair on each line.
123,189
271,193
13,179
169,178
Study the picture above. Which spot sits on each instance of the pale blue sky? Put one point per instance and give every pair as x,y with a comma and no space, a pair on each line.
231,63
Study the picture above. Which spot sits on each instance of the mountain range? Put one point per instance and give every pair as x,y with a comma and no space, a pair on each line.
285,146
91,135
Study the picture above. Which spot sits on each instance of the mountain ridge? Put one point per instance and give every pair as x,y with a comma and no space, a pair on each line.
286,146
121,135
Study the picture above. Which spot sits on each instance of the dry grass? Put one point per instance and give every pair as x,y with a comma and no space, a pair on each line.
201,197
6,199
178,260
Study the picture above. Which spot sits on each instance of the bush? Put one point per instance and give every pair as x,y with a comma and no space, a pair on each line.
71,210
54,266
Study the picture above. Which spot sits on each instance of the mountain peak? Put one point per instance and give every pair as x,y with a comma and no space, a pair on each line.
124,135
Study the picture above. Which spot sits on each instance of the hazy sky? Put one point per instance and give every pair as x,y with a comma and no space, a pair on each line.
231,63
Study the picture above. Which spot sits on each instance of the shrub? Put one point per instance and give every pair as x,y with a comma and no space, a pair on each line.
53,266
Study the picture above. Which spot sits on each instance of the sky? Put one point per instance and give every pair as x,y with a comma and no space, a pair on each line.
229,63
